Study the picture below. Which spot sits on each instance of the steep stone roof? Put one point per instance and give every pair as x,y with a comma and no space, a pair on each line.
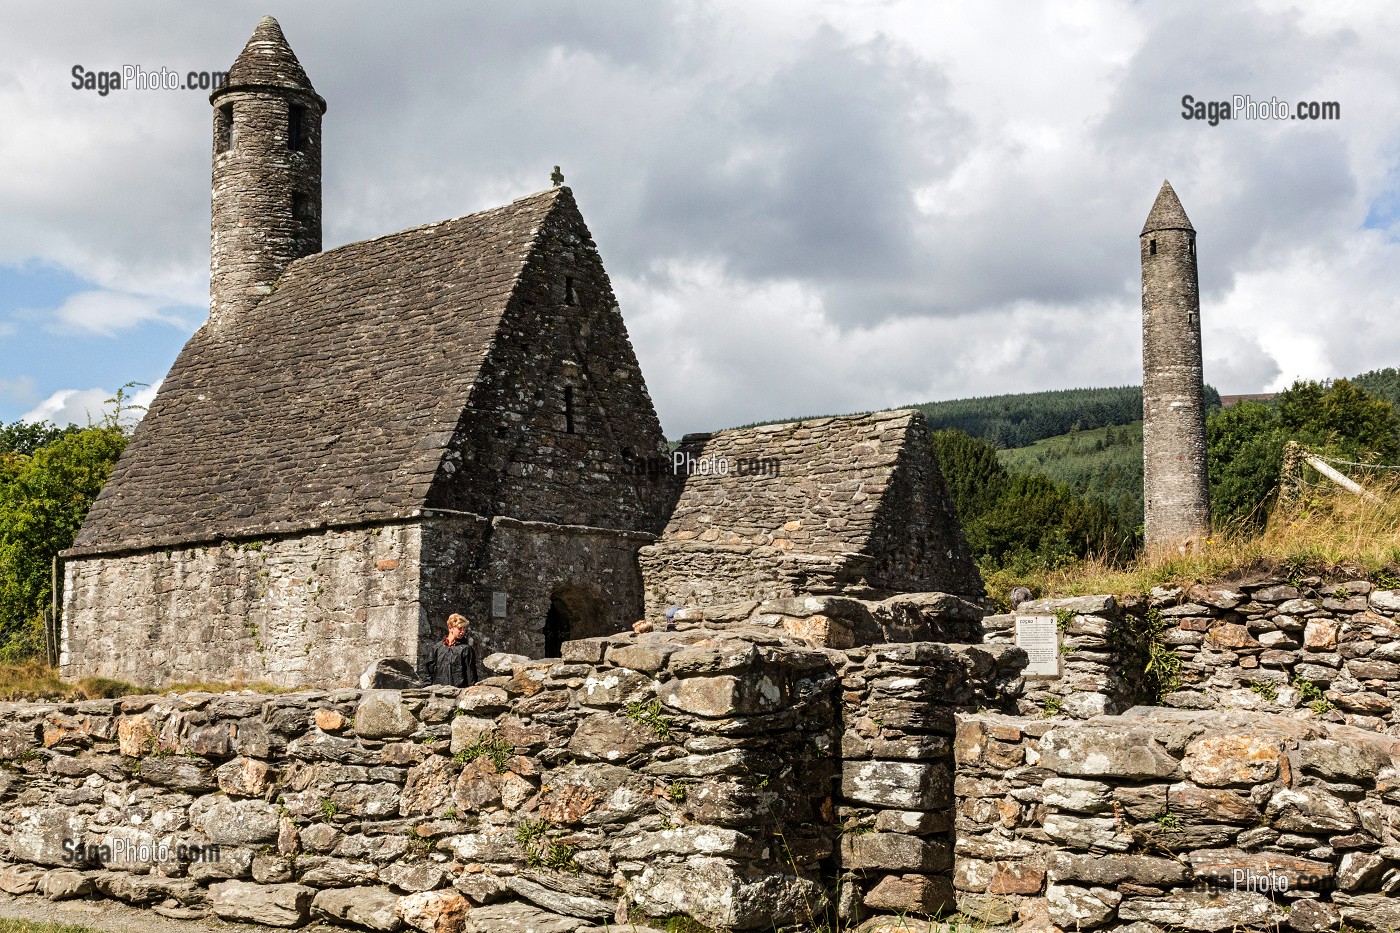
830,475
1167,213
268,61
848,504
333,399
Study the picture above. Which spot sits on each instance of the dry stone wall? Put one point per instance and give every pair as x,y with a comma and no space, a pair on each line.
1182,820
1098,644
730,775
1327,650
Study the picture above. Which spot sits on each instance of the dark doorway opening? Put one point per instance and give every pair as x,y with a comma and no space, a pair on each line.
574,612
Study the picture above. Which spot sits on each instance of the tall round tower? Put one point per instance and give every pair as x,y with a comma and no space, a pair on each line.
267,171
1176,491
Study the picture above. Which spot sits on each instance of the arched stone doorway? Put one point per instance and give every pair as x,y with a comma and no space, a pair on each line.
574,612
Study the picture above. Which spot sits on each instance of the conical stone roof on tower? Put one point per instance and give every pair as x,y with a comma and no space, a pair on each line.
268,61
1167,213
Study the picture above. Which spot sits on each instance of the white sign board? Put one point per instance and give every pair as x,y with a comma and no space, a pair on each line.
498,605
1040,638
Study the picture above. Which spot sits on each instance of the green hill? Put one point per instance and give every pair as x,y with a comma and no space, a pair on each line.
1022,419
1104,464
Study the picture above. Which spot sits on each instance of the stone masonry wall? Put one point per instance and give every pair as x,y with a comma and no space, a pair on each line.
1326,650
896,791
1098,641
694,772
317,607
1180,820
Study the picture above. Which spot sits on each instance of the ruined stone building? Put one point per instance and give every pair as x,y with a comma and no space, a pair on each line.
1176,493
359,442
810,507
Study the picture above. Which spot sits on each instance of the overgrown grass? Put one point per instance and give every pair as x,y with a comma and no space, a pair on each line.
1329,534
35,680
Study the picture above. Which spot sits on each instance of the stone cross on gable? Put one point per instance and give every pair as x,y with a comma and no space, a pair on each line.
556,176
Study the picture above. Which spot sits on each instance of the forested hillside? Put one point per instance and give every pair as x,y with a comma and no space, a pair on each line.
1381,383
1021,420
1104,464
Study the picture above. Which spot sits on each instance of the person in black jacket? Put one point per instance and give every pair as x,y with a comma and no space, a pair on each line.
452,661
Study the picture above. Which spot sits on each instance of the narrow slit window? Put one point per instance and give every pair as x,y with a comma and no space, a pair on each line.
570,296
223,128
296,137
569,409
1152,247
1191,247
298,206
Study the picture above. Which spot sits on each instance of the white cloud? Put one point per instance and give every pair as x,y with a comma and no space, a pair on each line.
807,205
91,406
106,313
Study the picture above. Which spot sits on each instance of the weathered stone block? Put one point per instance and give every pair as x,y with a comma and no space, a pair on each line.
894,852
917,894
903,785
1218,760
1105,751
370,908
47,836
275,905
381,714
244,777
725,694
1115,869
239,822
1308,810
1077,908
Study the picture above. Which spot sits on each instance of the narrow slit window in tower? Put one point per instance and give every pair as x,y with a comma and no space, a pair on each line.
1191,247
569,409
223,127
298,206
570,296
1152,247
296,138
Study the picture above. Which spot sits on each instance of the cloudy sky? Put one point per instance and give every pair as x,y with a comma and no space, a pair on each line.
805,207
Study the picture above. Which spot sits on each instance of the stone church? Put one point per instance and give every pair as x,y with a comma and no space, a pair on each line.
361,441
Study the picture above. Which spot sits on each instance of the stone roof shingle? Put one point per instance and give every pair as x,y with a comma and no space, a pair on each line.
329,402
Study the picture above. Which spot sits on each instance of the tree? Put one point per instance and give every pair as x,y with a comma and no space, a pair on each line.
44,497
1245,442
1021,522
26,437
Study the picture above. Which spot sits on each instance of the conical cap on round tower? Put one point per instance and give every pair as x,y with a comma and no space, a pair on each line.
267,61
1167,213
